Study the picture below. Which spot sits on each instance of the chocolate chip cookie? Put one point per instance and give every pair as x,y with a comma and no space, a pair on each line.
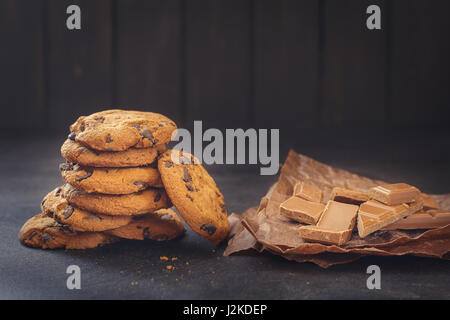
54,205
44,232
195,195
110,180
146,201
77,153
163,224
119,130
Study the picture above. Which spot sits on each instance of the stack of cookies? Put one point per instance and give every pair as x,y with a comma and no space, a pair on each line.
121,183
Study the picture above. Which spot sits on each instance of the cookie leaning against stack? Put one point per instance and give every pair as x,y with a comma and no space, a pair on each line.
113,187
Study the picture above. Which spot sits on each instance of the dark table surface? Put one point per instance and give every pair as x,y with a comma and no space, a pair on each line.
133,269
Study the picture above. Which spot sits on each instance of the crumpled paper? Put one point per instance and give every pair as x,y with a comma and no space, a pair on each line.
262,228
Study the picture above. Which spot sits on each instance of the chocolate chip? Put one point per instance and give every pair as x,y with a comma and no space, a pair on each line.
146,233
148,134
32,235
137,126
45,237
210,228
108,138
66,166
223,207
88,174
72,136
161,237
138,227
189,197
186,176
157,197
68,211
189,187
140,184
168,164
137,218
82,127
100,119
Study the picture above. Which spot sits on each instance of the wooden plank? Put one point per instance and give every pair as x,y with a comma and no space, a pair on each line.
286,64
218,62
149,70
79,61
21,65
420,63
354,65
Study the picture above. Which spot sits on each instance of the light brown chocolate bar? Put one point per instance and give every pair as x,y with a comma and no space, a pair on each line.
429,202
307,192
302,210
394,194
373,215
431,219
349,196
335,226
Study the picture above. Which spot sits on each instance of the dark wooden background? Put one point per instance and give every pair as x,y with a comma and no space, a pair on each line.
232,63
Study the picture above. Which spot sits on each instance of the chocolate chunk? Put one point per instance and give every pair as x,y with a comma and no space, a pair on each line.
66,166
137,218
100,119
88,174
72,136
146,233
189,197
137,126
108,138
168,164
147,134
32,235
157,197
161,237
45,237
68,211
189,187
210,228
140,184
186,176
82,127
223,207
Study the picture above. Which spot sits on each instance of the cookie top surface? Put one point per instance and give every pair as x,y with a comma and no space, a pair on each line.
146,201
162,225
110,180
55,206
133,157
195,195
118,130
44,232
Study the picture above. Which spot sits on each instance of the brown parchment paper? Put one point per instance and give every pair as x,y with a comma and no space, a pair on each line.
262,228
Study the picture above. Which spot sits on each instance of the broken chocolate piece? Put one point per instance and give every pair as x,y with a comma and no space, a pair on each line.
72,136
422,220
335,226
373,215
302,210
68,212
349,196
307,192
394,194
147,134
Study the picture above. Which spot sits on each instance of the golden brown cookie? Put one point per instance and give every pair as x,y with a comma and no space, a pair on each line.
54,205
110,180
195,195
163,224
119,130
146,201
44,232
77,153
